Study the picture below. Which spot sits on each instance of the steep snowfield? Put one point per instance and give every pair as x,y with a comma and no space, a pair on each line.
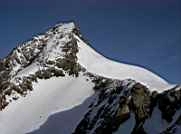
49,97
98,64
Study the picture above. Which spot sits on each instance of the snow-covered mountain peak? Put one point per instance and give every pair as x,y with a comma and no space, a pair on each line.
64,41
58,70
66,27
100,65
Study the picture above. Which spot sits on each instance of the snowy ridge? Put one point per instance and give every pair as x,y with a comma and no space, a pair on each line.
98,64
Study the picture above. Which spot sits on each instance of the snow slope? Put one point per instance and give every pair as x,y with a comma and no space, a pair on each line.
49,97
98,64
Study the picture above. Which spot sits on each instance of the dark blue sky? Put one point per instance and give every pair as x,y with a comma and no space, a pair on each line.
141,32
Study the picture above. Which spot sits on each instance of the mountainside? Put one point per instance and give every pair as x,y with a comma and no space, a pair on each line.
58,71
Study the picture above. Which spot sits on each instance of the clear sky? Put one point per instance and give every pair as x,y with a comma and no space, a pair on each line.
141,32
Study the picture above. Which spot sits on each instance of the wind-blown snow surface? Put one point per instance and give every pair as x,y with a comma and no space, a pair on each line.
98,64
63,93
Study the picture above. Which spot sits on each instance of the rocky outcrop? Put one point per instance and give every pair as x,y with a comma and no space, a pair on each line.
32,52
169,103
117,101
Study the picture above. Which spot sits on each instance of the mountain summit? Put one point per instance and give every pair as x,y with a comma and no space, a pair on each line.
58,71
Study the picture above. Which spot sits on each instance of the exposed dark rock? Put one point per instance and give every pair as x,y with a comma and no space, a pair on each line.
28,53
169,102
108,112
117,100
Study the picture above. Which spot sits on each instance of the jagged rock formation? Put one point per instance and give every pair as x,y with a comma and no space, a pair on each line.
118,100
62,58
31,53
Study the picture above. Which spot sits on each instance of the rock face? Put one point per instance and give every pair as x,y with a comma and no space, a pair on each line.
119,100
32,53
55,54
